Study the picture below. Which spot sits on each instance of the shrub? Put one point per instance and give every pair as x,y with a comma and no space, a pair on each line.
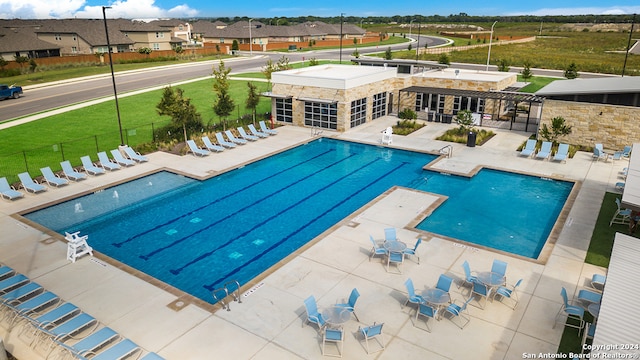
407,114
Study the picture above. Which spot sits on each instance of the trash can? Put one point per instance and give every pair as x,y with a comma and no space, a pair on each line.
471,139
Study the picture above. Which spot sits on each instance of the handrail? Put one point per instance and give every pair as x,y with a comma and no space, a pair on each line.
217,296
447,149
236,292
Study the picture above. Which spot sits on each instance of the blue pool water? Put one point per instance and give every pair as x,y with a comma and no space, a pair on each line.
197,235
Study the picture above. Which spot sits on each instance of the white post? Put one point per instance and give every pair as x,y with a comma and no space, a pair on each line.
491,38
250,41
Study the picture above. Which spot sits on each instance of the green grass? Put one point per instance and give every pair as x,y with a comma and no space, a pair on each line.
536,83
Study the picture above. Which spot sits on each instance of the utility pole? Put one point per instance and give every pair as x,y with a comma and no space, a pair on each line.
250,40
341,15
113,77
418,46
633,21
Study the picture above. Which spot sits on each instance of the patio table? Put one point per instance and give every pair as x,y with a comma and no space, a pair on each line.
336,315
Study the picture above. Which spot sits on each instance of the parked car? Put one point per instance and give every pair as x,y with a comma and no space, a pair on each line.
12,91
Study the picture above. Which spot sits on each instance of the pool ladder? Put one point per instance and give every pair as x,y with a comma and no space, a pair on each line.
315,131
446,150
230,288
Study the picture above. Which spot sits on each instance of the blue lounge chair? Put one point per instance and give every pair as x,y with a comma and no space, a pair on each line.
211,146
91,343
350,305
562,153
224,142
5,272
51,178
256,132
50,319
244,135
152,356
120,350
70,173
28,307
234,139
266,130
313,315
106,163
30,185
545,150
598,281
529,148
12,283
133,155
7,191
89,167
24,291
376,249
120,159
626,152
598,153
71,327
195,150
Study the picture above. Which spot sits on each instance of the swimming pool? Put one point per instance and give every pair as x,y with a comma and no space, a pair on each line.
197,235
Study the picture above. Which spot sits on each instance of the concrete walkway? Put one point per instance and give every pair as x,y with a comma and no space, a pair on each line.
269,322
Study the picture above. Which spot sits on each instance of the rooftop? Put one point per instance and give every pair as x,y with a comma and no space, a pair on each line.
333,76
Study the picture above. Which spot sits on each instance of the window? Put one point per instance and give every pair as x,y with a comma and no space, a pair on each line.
358,112
379,108
284,110
457,104
180,27
421,101
156,46
221,40
321,115
74,49
58,36
159,34
75,37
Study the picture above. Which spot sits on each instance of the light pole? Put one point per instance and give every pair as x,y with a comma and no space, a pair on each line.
411,26
361,20
113,77
250,40
491,38
418,46
624,66
341,15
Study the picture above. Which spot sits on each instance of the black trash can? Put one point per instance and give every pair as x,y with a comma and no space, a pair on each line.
471,139
446,118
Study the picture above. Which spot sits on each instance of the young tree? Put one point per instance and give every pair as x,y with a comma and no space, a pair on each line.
558,128
464,119
526,71
3,63
253,99
267,70
224,105
21,60
235,46
180,109
503,65
33,65
409,47
571,72
283,64
388,55
444,59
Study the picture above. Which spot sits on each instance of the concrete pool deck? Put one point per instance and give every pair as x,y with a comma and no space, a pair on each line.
268,322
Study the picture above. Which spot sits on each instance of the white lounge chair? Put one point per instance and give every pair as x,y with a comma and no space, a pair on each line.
224,142
211,146
234,139
266,130
30,185
562,153
89,167
195,150
246,136
70,173
120,159
51,178
133,155
529,148
106,163
256,132
545,150
8,192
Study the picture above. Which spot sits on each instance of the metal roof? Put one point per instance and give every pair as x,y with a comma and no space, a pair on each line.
397,62
500,95
608,85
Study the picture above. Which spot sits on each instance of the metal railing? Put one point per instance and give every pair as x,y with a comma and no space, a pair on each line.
446,150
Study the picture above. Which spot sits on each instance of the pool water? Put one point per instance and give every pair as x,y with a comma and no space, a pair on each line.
198,235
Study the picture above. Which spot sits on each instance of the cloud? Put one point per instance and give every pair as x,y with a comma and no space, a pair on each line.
613,10
60,9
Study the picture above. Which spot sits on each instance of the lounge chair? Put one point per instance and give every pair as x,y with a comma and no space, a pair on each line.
121,350
626,152
234,139
529,148
120,159
18,294
256,132
134,155
266,130
91,343
224,142
71,327
244,135
621,216
7,192
33,305
30,185
195,150
211,146
598,153
545,150
89,167
562,153
12,283
70,173
106,163
51,178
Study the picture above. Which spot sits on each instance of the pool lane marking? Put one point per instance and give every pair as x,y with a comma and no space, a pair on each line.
178,241
273,216
257,182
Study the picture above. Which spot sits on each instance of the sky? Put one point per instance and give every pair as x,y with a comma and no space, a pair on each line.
153,9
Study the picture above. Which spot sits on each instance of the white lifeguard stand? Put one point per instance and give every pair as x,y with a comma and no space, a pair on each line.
77,246
386,136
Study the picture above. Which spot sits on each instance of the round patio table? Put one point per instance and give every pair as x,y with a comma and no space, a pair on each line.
436,297
594,309
394,246
336,315
490,279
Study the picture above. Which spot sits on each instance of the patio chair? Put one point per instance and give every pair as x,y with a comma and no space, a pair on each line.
234,139
313,315
412,297
120,159
589,333
499,267
51,178
545,150
8,192
335,336
469,278
224,142
69,328
480,290
376,249
589,297
350,305
134,155
256,132
49,319
457,312
390,234
598,281
508,292
444,283
427,312
244,135
621,216
195,150
266,130
413,252
626,152
562,154
529,149
70,173
30,185
373,332
106,163
396,258
571,312
211,146
598,153
89,167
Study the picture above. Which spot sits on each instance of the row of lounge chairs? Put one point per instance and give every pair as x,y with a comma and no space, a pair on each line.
69,173
46,321
231,141
529,150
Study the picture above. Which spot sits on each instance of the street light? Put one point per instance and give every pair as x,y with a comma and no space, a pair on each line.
250,40
491,38
113,77
418,46
341,15
411,26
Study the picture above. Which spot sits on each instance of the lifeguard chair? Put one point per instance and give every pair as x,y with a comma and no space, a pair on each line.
77,246
386,136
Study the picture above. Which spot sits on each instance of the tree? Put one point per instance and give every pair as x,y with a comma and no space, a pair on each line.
267,70
558,128
180,109
235,46
571,72
464,119
388,55
33,65
409,47
145,50
3,63
253,99
444,59
526,71
283,64
21,60
503,65
224,105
